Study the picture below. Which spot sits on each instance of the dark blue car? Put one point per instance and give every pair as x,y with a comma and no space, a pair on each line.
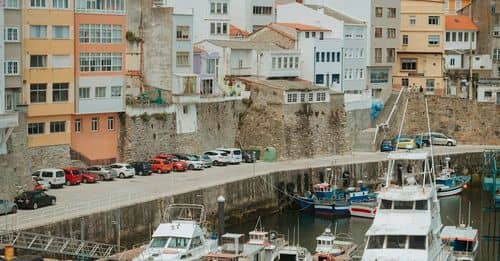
386,145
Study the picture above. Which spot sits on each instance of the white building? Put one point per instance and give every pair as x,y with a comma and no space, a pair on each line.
488,90
460,43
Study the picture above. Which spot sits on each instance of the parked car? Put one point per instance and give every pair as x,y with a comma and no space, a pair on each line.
160,165
404,142
207,161
104,173
34,199
142,168
438,139
7,207
54,177
219,158
177,164
39,183
85,176
72,176
193,162
234,154
386,145
248,156
123,170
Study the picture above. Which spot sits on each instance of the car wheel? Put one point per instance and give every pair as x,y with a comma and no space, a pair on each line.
68,183
85,181
214,163
52,202
13,210
190,167
122,176
158,171
140,173
449,143
35,205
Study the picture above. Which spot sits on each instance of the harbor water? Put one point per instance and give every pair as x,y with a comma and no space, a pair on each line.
304,227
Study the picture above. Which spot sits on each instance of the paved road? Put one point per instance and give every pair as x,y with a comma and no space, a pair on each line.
85,199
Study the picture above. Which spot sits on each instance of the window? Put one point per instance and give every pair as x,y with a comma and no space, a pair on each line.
38,61
60,32
111,123
84,92
211,66
78,125
38,32
183,32
448,36
338,56
61,61
396,242
317,57
321,35
378,55
302,97
306,35
413,20
57,126
408,64
11,67
116,91
336,78
348,35
310,97
60,4
405,39
378,32
218,8
473,36
452,61
322,56
60,92
454,36
38,92
36,128
376,242
100,92
391,12
466,36
313,34
328,56
14,4
100,62
95,124
488,94
320,79
433,40
292,97
218,28
285,63
262,10
38,3
100,33
379,11
403,204
385,204
460,36
297,62
207,87
320,96
182,58
391,33
11,34
405,82
101,6
391,55
421,205
429,84
433,20
361,74
496,54
416,242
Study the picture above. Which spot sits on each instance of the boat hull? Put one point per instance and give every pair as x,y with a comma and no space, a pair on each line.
363,211
449,191
304,203
330,210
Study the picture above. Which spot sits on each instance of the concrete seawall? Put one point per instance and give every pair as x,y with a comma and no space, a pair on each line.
245,199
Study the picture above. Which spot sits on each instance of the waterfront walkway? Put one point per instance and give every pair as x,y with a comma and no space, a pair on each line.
85,199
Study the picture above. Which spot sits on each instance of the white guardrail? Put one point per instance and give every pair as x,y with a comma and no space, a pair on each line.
26,219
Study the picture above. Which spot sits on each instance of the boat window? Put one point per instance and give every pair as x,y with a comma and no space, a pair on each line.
396,242
178,242
158,242
386,204
417,242
421,205
196,242
375,242
403,204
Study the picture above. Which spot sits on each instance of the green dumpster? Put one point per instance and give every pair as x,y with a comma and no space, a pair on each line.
270,154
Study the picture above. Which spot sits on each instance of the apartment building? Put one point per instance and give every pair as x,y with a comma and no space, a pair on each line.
13,53
453,6
99,78
251,15
420,54
48,70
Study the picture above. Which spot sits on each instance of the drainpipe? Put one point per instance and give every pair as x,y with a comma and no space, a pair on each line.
342,70
314,65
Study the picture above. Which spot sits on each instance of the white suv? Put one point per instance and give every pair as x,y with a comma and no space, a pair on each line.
219,158
235,155
123,170
54,177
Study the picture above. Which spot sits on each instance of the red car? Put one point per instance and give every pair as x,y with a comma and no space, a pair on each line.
160,165
85,177
178,165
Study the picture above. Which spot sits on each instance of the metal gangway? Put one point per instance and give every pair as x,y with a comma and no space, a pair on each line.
57,245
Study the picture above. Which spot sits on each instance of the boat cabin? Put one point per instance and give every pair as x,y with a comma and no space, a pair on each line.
323,190
324,243
234,249
257,237
462,240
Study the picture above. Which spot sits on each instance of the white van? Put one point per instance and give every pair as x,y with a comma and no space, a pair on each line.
235,154
54,177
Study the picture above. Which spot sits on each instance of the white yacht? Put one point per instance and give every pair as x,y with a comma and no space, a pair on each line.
181,237
407,224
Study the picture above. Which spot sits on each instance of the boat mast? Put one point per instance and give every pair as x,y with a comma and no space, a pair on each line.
431,175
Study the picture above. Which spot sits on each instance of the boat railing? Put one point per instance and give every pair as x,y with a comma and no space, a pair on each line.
462,253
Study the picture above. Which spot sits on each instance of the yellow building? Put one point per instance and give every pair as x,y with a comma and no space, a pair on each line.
420,61
48,84
452,6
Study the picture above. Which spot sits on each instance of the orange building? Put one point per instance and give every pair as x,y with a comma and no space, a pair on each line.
99,75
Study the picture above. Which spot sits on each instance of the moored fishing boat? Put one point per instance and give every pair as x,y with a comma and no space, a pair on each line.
331,247
448,183
363,209
463,242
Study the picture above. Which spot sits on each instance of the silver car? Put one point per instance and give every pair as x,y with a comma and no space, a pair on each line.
7,207
104,173
438,139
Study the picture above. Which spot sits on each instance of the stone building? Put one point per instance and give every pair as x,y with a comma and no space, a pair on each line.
299,119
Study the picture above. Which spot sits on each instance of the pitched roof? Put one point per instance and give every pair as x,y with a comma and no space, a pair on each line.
460,22
245,44
304,27
336,14
237,32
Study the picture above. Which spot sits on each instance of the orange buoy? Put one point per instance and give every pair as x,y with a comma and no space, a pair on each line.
8,253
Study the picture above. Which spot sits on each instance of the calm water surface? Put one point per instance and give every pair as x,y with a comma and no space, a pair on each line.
311,226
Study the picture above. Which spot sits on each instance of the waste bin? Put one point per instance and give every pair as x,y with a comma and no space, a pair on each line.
270,154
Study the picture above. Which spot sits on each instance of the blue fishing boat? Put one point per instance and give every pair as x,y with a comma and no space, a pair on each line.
332,207
448,183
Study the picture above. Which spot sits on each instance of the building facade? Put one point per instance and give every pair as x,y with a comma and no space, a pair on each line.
48,70
99,77
13,53
421,51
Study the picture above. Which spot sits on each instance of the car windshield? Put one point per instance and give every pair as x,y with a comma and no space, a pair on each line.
128,167
60,174
192,157
76,172
224,154
386,142
237,152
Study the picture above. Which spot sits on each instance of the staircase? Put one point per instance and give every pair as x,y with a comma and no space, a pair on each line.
79,159
57,245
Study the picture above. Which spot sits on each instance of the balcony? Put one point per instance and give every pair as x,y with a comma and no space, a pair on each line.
185,88
241,71
280,64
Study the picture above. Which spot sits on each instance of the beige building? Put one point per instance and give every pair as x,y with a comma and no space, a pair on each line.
421,51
